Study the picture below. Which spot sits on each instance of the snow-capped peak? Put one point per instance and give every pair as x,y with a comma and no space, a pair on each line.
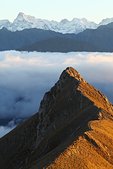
106,21
76,25
4,23
21,16
64,21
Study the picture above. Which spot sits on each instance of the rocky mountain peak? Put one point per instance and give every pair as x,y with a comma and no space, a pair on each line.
64,102
73,126
71,72
68,79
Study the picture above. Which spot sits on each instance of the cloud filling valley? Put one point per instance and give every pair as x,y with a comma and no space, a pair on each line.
25,77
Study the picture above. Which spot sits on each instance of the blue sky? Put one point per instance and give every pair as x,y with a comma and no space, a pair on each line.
94,10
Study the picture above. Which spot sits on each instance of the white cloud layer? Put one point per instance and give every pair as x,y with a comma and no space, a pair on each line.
25,77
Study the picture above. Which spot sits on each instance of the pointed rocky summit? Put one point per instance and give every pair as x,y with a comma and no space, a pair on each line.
72,129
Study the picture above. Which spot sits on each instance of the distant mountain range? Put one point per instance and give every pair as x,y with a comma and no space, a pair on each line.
27,33
76,25
91,40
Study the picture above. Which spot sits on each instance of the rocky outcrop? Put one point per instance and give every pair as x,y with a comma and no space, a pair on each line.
72,129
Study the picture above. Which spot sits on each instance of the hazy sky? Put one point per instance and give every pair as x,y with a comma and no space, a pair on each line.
94,10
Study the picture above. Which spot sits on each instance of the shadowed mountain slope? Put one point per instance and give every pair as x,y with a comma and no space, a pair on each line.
73,129
65,43
15,40
90,40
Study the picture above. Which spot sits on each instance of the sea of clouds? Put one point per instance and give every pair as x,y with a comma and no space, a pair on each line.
25,77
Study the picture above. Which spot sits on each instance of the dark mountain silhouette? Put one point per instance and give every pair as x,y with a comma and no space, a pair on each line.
72,129
101,38
15,40
91,40
59,44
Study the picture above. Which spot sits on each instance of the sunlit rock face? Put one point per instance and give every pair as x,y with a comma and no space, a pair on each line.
72,129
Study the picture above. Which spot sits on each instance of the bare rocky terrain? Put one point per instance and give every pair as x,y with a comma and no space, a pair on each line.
73,129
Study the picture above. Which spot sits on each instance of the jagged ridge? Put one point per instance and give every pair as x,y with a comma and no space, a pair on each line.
76,25
73,129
